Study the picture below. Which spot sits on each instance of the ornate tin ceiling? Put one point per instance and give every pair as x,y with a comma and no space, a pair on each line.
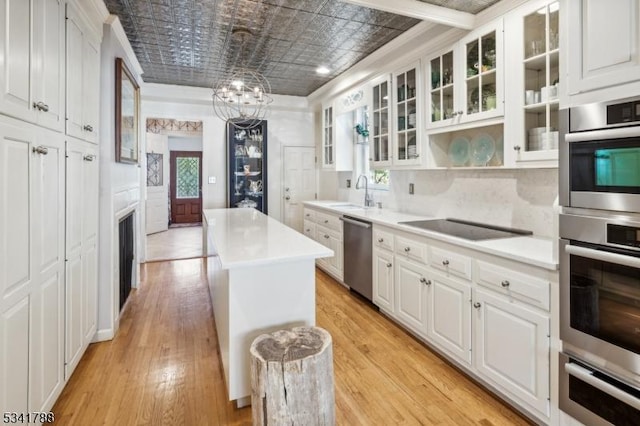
189,42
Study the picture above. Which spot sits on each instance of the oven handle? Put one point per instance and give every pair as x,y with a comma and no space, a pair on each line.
586,376
618,259
620,133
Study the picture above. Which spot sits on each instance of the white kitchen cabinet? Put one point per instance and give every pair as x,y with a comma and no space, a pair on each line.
83,79
326,228
531,125
32,265
32,72
381,131
383,278
81,250
449,315
512,349
441,78
407,149
603,43
411,287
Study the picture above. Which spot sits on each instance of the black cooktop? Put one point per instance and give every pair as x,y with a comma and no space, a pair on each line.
465,229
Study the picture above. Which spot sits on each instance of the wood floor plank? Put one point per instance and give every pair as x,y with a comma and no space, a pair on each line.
163,367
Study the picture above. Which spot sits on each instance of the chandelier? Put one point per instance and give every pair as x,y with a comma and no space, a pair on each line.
243,95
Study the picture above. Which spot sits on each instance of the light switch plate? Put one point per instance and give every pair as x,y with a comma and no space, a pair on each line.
212,179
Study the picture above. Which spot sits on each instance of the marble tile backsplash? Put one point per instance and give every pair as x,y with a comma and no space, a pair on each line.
524,199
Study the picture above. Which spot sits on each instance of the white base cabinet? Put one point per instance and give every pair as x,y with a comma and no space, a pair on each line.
512,348
489,315
326,229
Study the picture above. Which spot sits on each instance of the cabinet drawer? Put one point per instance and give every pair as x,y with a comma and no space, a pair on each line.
529,289
323,234
329,221
309,229
309,215
411,249
383,239
450,262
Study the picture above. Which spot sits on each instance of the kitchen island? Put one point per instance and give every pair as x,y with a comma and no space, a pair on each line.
261,278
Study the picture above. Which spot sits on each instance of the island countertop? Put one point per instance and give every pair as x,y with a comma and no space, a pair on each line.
246,237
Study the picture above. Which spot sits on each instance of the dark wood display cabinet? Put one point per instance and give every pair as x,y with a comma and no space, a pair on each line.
247,166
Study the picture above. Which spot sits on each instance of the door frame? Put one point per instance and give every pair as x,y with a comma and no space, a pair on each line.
173,155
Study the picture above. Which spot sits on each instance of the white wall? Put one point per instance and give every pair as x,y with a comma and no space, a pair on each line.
119,182
290,122
182,143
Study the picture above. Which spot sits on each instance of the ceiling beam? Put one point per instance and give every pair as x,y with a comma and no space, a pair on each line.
421,10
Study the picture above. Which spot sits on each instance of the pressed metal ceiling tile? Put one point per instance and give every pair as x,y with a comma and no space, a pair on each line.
190,42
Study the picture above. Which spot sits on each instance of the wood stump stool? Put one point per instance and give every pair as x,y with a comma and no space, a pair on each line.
292,378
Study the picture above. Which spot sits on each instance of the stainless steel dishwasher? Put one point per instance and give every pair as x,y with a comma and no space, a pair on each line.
357,255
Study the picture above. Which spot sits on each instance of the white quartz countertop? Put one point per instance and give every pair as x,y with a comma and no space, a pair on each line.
531,250
246,237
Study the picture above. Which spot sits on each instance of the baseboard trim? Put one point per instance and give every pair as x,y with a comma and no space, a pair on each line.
103,335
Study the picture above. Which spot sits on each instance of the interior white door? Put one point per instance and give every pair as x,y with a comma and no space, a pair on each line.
299,182
157,204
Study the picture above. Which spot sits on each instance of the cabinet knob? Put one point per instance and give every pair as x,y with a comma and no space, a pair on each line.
505,283
45,108
286,189
40,150
41,106
380,240
308,230
425,281
445,262
407,249
307,215
88,127
287,198
89,157
516,148
477,305
326,221
326,236
389,265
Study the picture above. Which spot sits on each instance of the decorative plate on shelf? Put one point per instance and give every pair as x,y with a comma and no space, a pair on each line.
459,151
482,149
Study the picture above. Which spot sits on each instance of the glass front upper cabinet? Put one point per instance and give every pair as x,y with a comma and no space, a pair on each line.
541,77
441,82
481,79
327,138
381,147
407,148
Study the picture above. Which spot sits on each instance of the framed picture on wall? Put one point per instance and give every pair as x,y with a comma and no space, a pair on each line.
127,114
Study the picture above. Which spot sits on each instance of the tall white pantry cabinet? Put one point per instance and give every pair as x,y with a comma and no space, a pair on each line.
48,197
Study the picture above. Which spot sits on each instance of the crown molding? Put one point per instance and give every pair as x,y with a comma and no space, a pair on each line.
116,26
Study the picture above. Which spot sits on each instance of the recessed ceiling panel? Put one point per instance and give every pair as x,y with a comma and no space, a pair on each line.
189,42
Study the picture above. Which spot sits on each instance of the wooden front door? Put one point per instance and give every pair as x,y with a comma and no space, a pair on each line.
186,186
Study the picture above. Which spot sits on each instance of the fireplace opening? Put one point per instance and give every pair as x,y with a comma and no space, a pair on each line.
126,251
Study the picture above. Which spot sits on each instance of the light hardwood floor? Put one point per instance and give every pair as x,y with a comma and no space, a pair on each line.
163,367
175,243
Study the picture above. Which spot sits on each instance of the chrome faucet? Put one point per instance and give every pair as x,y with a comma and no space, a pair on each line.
368,198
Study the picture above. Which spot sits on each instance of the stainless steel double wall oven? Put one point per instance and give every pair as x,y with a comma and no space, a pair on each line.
600,262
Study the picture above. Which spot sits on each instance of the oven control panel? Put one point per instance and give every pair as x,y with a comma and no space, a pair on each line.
623,235
626,112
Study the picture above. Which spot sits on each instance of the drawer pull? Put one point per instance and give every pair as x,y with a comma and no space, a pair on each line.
425,281
380,240
477,305
88,128
389,265
445,262
505,283
407,249
326,221
89,157
326,236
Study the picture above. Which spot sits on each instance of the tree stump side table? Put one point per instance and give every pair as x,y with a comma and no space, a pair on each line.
292,378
